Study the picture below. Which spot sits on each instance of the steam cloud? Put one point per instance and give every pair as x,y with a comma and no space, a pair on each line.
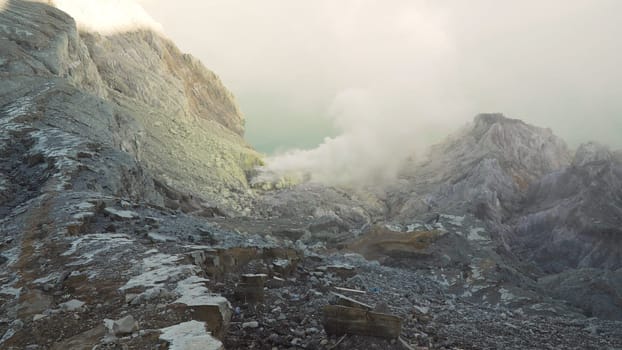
370,148
108,16
383,119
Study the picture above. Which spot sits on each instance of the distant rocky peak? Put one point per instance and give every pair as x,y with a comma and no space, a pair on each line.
591,152
482,123
523,149
493,118
514,130
519,145
489,164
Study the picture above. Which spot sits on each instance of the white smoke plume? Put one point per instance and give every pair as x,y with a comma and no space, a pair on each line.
108,16
384,119
370,148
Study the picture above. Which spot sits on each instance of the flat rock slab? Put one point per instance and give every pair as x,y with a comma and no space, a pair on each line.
203,306
190,335
120,214
340,320
343,271
158,237
256,279
349,302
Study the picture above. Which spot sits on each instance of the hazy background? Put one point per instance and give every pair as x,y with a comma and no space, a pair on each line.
552,63
362,84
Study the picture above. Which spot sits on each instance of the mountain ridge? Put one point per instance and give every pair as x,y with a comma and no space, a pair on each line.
507,152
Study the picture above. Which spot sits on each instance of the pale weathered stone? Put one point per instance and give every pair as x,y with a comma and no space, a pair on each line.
121,214
190,336
72,305
124,326
349,302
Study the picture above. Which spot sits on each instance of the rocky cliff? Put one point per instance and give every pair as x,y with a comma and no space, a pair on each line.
113,150
575,214
133,91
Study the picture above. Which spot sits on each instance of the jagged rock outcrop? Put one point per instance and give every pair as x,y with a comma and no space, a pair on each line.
572,218
592,152
39,41
133,91
483,169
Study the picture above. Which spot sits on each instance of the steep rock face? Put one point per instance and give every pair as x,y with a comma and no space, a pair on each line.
483,169
573,217
146,69
133,91
41,41
188,126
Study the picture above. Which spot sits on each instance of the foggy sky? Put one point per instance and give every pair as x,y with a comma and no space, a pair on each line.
427,64
349,88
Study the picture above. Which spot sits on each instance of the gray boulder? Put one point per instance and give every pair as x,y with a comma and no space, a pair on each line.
124,326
